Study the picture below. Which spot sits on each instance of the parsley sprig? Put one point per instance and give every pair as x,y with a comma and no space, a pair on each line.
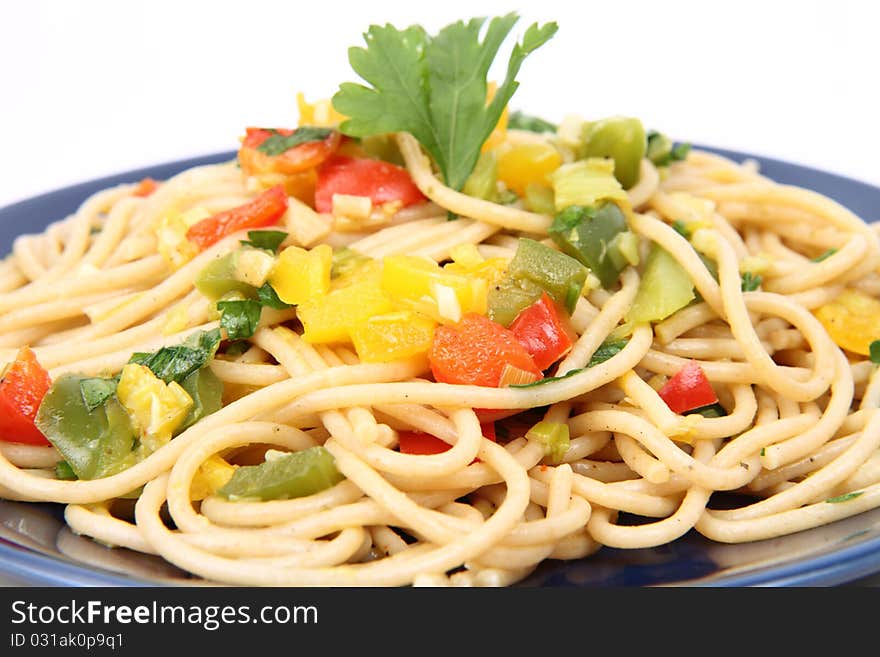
435,87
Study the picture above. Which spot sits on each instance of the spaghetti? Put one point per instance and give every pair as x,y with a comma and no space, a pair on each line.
795,435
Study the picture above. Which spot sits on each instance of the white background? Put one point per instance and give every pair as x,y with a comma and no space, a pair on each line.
91,88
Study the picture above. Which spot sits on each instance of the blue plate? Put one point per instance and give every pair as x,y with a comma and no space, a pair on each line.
37,548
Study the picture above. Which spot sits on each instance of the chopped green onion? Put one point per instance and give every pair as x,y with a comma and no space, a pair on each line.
553,436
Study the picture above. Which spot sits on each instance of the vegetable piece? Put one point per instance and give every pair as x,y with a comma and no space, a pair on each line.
206,391
239,317
542,331
560,275
586,182
145,187
539,198
606,350
665,287
750,282
483,181
688,389
214,473
852,320
588,234
286,151
824,255
874,352
475,351
220,278
64,472
623,140
345,261
97,390
94,443
520,165
419,442
331,318
710,411
422,283
284,476
662,152
510,296
381,182
269,297
22,388
392,336
520,121
301,274
157,408
435,87
176,362
554,436
265,210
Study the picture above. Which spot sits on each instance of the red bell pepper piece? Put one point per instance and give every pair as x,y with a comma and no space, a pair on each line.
145,187
265,210
381,181
475,351
301,157
22,388
419,442
543,332
688,389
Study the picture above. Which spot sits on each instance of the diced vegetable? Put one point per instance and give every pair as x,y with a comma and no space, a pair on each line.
265,210
520,165
22,388
421,283
419,442
475,351
623,140
554,436
560,275
586,182
268,240
590,234
206,391
214,473
539,198
171,241
543,332
392,336
64,472
94,443
219,278
665,288
483,181
688,389
284,476
852,320
381,182
437,89
157,408
662,152
510,296
300,274
345,261
331,318
285,151
145,187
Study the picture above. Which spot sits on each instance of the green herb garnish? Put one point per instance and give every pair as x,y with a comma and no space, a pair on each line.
239,317
874,349
276,143
176,362
268,240
824,256
269,297
843,498
750,282
96,390
435,87
521,121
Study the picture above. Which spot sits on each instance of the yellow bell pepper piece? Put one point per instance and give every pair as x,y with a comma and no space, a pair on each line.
211,476
320,113
527,163
300,274
852,320
393,336
156,408
331,317
417,281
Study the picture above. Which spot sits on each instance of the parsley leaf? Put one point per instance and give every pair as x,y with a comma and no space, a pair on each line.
606,350
276,143
269,297
874,350
435,88
176,362
750,282
269,240
520,121
824,256
843,498
96,390
239,317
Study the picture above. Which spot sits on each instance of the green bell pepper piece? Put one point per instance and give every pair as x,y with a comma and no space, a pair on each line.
94,443
665,288
587,233
206,390
286,476
623,140
483,181
217,279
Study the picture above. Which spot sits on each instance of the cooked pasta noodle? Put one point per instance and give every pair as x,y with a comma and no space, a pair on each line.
795,444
